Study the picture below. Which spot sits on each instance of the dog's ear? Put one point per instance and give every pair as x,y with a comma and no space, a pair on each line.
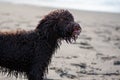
46,25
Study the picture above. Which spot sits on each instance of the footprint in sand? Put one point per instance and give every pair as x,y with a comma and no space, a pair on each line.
99,55
65,73
68,57
85,45
117,28
81,65
105,58
117,63
71,57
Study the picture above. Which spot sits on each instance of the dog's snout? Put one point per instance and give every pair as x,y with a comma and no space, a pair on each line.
77,26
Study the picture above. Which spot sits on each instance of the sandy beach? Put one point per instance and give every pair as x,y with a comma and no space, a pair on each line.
94,56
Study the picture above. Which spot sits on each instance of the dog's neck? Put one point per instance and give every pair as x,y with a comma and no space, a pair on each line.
51,39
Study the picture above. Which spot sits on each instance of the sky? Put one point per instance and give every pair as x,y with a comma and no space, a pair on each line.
91,5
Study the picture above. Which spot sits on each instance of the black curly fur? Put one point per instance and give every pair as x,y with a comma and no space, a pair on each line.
30,52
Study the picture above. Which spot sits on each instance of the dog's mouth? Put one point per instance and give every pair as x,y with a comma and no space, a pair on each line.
76,32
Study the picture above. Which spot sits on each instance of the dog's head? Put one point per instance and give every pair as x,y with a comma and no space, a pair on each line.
61,24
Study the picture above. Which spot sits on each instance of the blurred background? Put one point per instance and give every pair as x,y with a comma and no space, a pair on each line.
90,5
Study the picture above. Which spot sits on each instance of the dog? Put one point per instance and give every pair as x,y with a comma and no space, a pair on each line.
30,52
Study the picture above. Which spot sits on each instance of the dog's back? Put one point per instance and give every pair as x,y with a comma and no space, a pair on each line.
15,51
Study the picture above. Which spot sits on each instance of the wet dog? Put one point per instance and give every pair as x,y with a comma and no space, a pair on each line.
30,52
